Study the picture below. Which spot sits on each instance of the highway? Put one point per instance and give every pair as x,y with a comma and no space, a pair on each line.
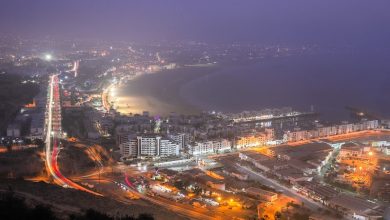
53,136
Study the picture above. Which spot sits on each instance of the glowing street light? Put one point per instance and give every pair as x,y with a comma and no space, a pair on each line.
48,57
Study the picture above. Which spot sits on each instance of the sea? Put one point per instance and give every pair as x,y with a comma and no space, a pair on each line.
327,83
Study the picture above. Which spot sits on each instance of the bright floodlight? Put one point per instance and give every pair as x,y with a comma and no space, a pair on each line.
48,57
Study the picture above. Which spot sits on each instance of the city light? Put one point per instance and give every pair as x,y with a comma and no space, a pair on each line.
112,92
192,127
48,57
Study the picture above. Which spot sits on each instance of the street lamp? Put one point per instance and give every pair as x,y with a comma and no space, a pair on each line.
48,57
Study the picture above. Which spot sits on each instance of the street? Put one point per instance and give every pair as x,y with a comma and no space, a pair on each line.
286,190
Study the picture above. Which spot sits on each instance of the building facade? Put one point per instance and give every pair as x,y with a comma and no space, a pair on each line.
148,146
208,147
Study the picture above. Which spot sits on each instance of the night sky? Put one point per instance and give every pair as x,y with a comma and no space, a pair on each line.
356,22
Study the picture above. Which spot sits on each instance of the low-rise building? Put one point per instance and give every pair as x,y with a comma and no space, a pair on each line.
351,151
14,130
316,191
357,208
37,126
262,194
327,131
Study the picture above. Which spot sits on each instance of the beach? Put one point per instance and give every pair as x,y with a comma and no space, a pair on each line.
160,93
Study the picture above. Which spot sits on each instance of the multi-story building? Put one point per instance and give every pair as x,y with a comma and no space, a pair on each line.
199,148
253,140
14,130
208,147
182,139
148,146
129,147
320,132
168,148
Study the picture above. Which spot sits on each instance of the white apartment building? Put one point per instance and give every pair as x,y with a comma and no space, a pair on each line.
148,146
320,132
181,139
208,147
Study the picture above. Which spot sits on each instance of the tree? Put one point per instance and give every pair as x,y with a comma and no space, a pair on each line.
42,212
145,217
278,215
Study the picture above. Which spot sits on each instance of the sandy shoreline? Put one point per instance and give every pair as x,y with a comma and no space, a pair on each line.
160,93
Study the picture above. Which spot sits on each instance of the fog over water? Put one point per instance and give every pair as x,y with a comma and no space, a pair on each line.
329,82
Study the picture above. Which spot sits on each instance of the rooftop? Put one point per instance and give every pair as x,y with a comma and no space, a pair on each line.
255,190
354,204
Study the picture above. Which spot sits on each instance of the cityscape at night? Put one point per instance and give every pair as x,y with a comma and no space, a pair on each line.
181,110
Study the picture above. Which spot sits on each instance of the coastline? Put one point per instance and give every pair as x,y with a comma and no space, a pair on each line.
249,86
160,93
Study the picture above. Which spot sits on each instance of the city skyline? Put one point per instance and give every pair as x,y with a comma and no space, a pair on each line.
201,110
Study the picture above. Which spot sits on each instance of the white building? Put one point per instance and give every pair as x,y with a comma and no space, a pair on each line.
321,132
208,147
168,148
181,139
148,146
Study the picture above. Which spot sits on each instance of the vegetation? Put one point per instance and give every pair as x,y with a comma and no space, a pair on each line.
13,94
12,207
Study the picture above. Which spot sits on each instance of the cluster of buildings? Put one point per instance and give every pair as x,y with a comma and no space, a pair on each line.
290,164
327,131
255,139
259,115
30,121
148,146
208,147
297,165
213,136
183,144
348,205
156,145
195,143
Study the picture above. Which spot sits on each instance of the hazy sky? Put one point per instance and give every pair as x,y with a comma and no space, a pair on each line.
362,22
